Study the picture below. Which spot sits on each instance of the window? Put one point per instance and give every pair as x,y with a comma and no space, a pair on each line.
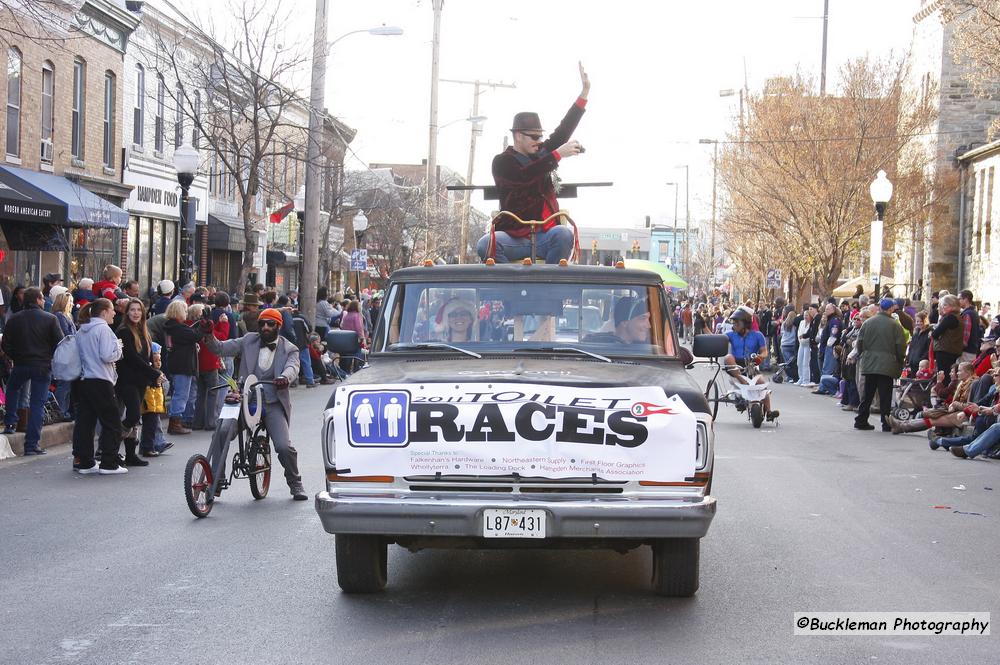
197,117
79,113
13,102
140,104
213,171
159,129
48,92
179,118
109,120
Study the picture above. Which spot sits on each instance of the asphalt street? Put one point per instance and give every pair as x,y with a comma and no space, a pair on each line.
812,516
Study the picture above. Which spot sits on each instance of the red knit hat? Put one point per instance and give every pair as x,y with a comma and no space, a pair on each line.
271,314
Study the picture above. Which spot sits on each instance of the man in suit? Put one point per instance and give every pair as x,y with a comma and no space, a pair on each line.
269,357
524,175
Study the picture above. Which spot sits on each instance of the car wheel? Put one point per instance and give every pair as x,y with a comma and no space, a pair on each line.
675,566
362,563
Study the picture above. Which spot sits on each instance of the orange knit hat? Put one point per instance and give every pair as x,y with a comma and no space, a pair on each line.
270,313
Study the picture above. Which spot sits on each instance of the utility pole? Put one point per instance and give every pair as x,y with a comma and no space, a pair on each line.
476,131
673,254
687,214
309,252
715,180
431,200
822,71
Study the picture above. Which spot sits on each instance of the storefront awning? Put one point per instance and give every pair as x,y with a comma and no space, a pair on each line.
278,257
225,233
32,196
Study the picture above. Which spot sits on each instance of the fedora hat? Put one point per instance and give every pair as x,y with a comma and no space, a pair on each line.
250,299
526,121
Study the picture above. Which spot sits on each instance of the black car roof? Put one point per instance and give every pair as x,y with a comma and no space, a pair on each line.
517,272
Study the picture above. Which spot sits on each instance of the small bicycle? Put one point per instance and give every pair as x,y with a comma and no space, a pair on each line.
240,418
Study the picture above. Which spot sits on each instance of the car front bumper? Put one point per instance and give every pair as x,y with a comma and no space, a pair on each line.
461,514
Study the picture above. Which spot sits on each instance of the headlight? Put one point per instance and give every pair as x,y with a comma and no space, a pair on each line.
704,447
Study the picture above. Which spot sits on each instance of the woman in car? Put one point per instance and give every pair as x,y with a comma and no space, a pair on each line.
455,319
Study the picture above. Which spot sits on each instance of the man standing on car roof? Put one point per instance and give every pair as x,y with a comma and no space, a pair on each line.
524,174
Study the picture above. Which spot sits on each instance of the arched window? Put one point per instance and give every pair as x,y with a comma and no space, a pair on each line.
159,128
48,106
138,112
14,102
109,120
79,108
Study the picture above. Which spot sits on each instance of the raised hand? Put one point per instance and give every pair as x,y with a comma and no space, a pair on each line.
584,80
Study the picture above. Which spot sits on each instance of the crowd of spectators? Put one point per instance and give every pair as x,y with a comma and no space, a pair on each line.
930,367
143,356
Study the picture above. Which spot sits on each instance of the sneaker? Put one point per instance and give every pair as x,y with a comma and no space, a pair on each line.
149,453
864,426
35,451
9,429
165,447
809,385
112,472
934,444
88,470
298,491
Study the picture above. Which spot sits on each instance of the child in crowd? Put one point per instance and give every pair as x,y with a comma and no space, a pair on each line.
153,442
924,370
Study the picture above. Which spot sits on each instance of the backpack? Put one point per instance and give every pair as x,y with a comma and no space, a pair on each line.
67,365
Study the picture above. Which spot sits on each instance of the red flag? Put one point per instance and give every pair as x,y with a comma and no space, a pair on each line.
281,212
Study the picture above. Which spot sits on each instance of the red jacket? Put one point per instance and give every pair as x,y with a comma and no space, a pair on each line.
103,286
208,361
525,184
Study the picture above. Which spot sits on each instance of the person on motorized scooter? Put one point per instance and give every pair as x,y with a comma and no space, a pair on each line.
270,357
746,344
524,174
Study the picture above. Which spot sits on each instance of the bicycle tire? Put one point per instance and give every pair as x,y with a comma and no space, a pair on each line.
756,414
712,395
259,466
198,485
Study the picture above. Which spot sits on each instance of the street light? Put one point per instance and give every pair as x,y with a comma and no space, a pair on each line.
881,192
379,31
360,225
673,254
186,161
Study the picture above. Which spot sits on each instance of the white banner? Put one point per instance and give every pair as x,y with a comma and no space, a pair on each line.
497,429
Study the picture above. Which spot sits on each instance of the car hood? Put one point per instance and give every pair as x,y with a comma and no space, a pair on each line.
563,371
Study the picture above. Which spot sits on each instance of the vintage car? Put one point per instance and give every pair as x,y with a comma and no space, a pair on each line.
513,406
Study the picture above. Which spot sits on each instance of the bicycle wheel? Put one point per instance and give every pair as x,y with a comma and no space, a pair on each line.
259,465
712,395
756,414
198,485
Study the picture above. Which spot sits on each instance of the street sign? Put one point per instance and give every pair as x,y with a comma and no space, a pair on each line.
773,278
359,260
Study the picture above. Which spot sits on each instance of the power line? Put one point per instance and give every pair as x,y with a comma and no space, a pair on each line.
830,139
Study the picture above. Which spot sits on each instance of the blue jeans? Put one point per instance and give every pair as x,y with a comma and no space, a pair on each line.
788,352
984,441
829,361
306,365
38,379
182,384
63,396
828,384
550,246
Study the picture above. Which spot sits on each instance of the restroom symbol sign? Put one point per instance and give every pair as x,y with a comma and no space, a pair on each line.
379,418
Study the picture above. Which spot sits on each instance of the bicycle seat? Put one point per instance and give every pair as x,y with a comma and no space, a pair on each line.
233,398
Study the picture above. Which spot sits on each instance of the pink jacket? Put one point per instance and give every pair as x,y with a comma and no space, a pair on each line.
352,321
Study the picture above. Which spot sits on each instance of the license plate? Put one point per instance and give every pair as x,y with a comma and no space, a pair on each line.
229,411
501,523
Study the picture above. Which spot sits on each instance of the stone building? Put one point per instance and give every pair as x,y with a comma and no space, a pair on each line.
980,240
61,190
939,252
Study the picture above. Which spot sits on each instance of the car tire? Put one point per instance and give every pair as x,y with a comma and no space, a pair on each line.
362,563
675,566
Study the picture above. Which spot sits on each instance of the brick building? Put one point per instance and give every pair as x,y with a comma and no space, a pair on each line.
62,191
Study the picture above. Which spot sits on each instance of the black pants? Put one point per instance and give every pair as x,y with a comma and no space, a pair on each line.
883,384
131,398
96,402
944,361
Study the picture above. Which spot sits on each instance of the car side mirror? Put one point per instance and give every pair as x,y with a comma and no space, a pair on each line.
710,346
343,342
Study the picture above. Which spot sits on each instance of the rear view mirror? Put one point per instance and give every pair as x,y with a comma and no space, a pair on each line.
710,346
344,342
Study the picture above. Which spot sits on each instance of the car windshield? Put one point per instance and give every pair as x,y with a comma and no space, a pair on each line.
527,317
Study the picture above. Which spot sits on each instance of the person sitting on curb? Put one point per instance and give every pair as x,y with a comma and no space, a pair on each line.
985,412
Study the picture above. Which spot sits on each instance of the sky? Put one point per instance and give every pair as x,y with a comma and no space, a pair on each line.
656,69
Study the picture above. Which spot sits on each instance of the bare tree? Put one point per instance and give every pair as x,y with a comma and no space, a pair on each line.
796,183
976,41
253,120
44,22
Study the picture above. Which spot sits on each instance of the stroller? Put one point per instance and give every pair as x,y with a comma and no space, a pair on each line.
910,397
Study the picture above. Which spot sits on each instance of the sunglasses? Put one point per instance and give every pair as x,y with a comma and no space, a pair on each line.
533,137
459,314
267,322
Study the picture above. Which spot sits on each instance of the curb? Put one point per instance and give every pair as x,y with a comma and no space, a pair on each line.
55,434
